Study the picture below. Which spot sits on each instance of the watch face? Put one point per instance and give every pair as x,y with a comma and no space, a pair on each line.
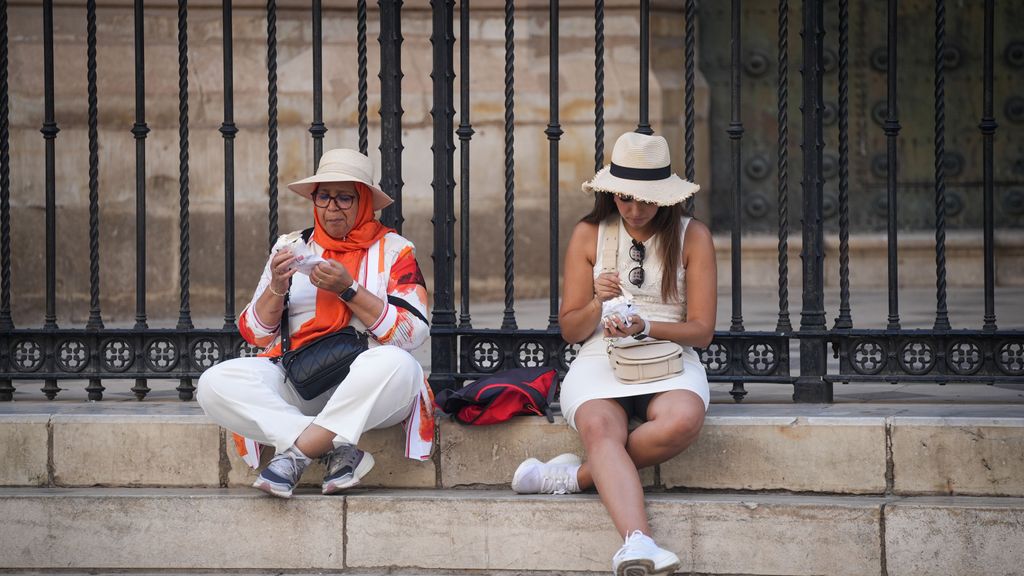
348,294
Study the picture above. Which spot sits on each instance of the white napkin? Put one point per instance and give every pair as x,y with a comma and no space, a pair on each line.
621,305
305,259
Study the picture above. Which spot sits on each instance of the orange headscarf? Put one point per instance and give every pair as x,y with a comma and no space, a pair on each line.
332,314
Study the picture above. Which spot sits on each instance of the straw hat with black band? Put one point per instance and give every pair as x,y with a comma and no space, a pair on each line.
641,168
342,165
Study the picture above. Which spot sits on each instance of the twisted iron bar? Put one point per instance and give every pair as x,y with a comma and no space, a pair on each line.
844,320
941,312
184,314
391,75
6,322
784,323
272,182
95,319
598,85
508,321
185,387
361,66
688,92
690,66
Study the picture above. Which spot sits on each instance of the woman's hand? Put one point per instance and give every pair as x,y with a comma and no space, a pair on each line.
615,326
606,286
330,275
281,271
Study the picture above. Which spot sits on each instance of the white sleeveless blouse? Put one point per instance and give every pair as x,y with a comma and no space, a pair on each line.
590,375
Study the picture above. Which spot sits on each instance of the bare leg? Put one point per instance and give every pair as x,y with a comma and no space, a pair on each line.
603,427
315,441
674,422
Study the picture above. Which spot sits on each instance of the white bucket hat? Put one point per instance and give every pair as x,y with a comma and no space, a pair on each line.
641,168
342,165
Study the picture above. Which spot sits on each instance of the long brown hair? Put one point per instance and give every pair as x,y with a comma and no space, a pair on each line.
667,223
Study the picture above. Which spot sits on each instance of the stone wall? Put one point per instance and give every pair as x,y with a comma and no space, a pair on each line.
116,88
115,55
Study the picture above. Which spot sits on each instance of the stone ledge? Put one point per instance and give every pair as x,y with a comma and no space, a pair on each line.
955,536
126,450
966,456
427,530
172,529
838,449
833,455
489,455
500,530
24,441
391,468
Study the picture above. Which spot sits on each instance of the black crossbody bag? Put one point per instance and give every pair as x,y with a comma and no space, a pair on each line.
321,364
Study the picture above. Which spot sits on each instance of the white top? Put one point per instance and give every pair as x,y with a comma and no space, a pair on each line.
647,297
590,375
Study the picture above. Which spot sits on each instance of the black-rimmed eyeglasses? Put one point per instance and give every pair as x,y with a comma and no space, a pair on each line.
637,252
342,201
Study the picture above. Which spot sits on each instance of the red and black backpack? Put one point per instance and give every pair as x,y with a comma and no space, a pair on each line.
501,396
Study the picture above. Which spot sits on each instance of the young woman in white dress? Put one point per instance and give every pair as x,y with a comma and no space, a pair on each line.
666,262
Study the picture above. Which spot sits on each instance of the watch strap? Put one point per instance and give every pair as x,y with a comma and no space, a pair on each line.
349,293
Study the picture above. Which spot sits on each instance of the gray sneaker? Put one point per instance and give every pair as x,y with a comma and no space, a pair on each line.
283,473
346,466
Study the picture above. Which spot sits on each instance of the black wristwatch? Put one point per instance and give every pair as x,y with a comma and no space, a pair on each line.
350,292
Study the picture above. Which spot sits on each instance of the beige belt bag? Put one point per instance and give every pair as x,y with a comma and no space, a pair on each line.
646,361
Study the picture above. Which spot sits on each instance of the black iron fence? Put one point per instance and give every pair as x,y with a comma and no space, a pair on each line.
461,351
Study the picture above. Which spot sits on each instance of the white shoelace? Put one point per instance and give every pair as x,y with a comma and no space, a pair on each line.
556,483
338,459
287,465
631,538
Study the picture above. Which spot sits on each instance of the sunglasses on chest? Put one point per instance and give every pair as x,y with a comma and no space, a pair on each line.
637,253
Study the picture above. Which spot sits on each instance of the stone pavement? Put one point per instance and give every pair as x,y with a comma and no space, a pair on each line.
760,312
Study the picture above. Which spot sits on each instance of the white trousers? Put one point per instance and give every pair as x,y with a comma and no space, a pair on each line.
249,396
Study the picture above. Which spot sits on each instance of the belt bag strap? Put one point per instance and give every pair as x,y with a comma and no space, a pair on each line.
371,282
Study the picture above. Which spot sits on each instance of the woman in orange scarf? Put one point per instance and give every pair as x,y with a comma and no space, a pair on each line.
348,270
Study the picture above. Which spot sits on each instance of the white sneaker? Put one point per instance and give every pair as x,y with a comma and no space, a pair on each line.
556,476
640,556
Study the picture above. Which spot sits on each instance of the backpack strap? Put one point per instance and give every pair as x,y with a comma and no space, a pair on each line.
610,246
551,398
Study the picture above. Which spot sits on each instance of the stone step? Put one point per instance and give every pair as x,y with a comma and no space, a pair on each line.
497,530
833,449
381,572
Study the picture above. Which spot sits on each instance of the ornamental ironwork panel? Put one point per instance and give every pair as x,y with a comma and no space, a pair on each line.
924,355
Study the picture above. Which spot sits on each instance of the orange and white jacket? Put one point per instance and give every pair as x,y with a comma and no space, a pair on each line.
390,271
